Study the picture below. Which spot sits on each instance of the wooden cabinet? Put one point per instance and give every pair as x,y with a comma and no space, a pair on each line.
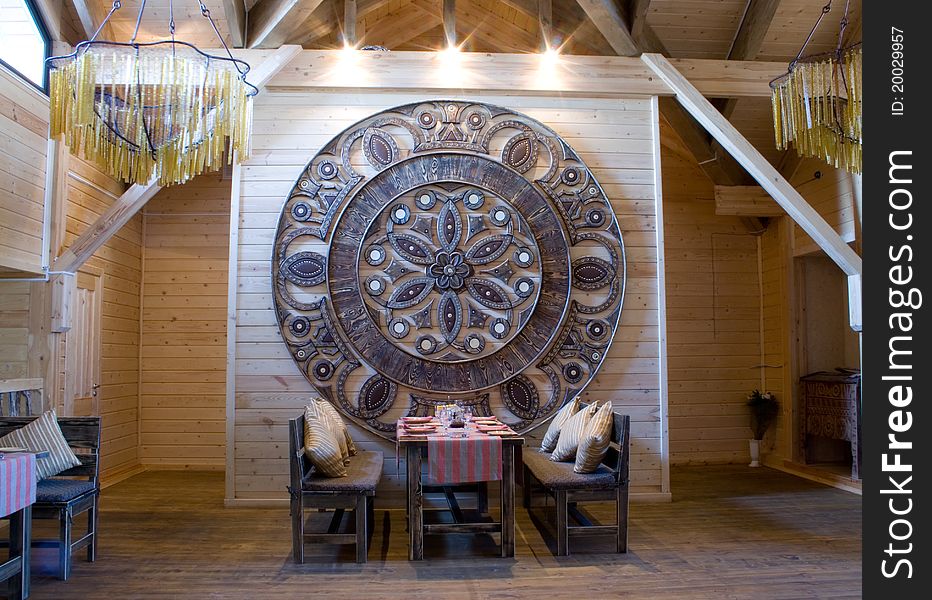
830,405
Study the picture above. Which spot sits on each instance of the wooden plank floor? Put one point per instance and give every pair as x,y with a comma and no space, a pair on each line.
731,532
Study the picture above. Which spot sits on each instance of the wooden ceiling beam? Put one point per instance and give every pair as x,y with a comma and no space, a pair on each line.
569,21
611,23
273,22
748,40
638,10
235,12
91,14
545,20
449,23
349,23
719,166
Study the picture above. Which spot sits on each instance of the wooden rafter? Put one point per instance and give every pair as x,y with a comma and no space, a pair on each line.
235,12
91,14
569,21
449,23
638,11
317,28
545,20
749,39
272,22
349,23
719,166
609,20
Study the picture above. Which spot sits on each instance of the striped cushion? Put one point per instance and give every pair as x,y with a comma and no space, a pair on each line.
320,445
44,434
553,432
571,433
347,447
594,443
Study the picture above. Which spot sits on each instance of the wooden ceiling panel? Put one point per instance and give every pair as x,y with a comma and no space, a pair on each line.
190,26
696,28
792,23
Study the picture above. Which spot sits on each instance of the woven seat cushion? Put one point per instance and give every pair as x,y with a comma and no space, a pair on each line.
560,475
363,472
62,490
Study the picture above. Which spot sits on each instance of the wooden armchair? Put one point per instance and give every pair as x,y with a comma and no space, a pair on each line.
355,492
608,483
71,492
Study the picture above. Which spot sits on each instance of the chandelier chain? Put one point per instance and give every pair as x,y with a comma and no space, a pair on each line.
142,9
206,13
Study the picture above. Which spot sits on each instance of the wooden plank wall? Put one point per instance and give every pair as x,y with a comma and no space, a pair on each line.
14,329
24,126
832,195
90,192
613,136
183,365
713,316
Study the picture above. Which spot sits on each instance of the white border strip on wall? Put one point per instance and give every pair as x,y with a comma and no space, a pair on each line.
661,302
232,285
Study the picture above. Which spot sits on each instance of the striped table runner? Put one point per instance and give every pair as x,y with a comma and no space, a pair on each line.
17,482
476,457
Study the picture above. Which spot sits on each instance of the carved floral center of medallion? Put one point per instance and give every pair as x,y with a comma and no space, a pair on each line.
452,272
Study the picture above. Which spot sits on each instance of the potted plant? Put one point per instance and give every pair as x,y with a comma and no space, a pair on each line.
764,410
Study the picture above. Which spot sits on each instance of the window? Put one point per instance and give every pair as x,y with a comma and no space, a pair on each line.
24,42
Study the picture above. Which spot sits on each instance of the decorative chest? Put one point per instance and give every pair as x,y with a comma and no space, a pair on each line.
830,404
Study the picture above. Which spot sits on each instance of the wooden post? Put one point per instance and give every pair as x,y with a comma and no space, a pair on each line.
63,289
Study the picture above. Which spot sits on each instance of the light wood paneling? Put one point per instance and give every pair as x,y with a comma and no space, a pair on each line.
832,195
14,329
119,262
713,325
614,138
23,151
184,325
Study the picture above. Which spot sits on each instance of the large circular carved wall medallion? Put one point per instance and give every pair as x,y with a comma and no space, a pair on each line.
448,251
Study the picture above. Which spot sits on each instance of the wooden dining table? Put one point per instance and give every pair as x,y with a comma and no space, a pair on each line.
412,447
17,495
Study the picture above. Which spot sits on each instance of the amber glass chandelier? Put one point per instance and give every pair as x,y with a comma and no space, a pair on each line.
817,103
160,109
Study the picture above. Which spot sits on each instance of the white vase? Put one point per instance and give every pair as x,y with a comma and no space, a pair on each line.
755,453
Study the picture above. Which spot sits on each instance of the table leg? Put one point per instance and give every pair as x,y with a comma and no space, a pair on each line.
508,501
20,542
415,503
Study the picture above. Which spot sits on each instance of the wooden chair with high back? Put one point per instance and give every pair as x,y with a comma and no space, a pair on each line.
608,483
71,492
354,492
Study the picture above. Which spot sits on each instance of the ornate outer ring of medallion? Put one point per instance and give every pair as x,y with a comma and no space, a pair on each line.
558,257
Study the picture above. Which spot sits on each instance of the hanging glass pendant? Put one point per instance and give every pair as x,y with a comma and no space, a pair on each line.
817,103
161,109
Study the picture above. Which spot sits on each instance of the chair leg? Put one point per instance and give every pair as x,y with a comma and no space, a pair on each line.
64,547
362,539
621,509
562,531
526,488
297,527
93,520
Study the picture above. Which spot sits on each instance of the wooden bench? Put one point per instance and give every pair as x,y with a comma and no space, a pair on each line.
71,492
608,483
355,492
